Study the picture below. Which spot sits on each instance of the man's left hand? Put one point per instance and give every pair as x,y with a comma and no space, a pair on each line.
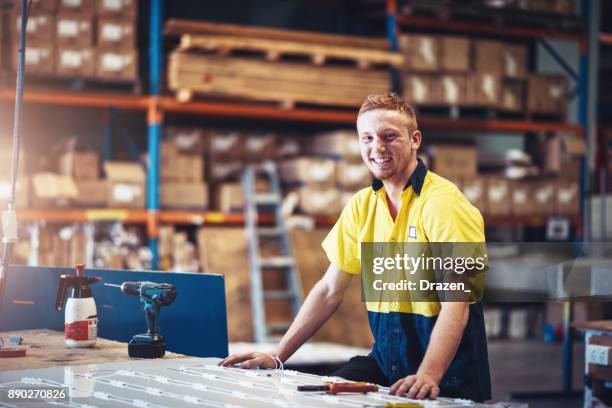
418,386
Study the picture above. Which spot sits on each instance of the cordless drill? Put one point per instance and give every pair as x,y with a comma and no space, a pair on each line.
153,296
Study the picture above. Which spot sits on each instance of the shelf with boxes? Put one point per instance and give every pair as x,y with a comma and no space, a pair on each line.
81,45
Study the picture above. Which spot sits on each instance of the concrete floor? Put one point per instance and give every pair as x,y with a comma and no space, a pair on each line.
532,365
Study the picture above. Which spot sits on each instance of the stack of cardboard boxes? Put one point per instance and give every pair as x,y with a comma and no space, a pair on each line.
80,38
182,170
465,72
497,196
83,168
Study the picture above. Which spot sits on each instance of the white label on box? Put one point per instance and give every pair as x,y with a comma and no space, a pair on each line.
520,196
451,91
555,91
472,192
419,91
71,59
356,172
126,193
488,86
597,354
111,32
544,195
112,62
566,195
511,65
352,146
33,56
187,141
289,148
256,144
426,50
72,3
67,28
321,171
224,143
497,193
112,5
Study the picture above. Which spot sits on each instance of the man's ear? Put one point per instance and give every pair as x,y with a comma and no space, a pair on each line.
415,139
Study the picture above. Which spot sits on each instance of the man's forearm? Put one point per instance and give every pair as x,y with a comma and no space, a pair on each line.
445,339
319,305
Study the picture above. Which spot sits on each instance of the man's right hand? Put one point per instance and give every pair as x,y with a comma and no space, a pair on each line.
250,360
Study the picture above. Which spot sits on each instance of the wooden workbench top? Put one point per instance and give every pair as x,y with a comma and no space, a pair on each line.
603,325
46,348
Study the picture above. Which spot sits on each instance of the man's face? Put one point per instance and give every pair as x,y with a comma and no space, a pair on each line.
388,142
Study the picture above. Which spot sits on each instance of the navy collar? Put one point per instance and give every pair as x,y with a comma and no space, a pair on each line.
416,180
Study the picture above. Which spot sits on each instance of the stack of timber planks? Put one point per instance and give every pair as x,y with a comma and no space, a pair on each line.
264,64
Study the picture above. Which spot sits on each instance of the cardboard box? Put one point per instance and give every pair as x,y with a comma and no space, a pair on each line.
451,90
186,139
228,144
339,144
567,197
547,94
474,190
169,170
320,201
514,59
190,168
522,198
229,197
418,89
543,197
116,8
116,33
75,30
422,52
120,64
80,165
184,195
81,7
225,170
456,53
513,96
76,61
41,27
308,170
487,56
454,160
484,89
91,193
570,168
126,184
259,147
39,57
498,196
51,190
353,175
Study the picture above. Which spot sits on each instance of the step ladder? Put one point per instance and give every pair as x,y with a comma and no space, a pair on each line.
271,202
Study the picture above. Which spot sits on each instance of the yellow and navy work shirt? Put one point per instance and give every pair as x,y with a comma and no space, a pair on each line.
433,210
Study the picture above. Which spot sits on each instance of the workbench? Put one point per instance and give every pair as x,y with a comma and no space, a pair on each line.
184,382
46,348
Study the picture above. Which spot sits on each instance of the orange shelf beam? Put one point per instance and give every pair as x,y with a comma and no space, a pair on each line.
511,126
469,27
93,100
257,111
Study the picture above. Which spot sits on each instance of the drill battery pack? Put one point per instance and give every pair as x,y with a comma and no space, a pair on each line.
146,346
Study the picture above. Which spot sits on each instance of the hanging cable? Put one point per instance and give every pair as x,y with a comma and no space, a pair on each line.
9,217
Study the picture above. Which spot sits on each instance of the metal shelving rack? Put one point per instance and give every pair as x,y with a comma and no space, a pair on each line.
156,106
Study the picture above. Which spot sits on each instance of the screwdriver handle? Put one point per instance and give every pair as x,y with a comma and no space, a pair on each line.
358,387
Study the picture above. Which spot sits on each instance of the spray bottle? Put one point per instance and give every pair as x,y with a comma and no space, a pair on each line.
81,316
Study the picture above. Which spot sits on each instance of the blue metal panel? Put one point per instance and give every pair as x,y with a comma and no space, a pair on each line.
195,324
392,38
155,46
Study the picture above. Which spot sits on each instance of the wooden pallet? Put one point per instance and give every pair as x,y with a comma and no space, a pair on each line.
288,83
178,28
274,50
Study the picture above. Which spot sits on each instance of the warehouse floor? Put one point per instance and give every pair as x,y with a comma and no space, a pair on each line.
532,365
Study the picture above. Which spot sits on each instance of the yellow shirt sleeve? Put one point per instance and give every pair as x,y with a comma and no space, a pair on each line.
341,244
452,218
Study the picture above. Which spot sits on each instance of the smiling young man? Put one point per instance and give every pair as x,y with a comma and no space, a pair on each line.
421,349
